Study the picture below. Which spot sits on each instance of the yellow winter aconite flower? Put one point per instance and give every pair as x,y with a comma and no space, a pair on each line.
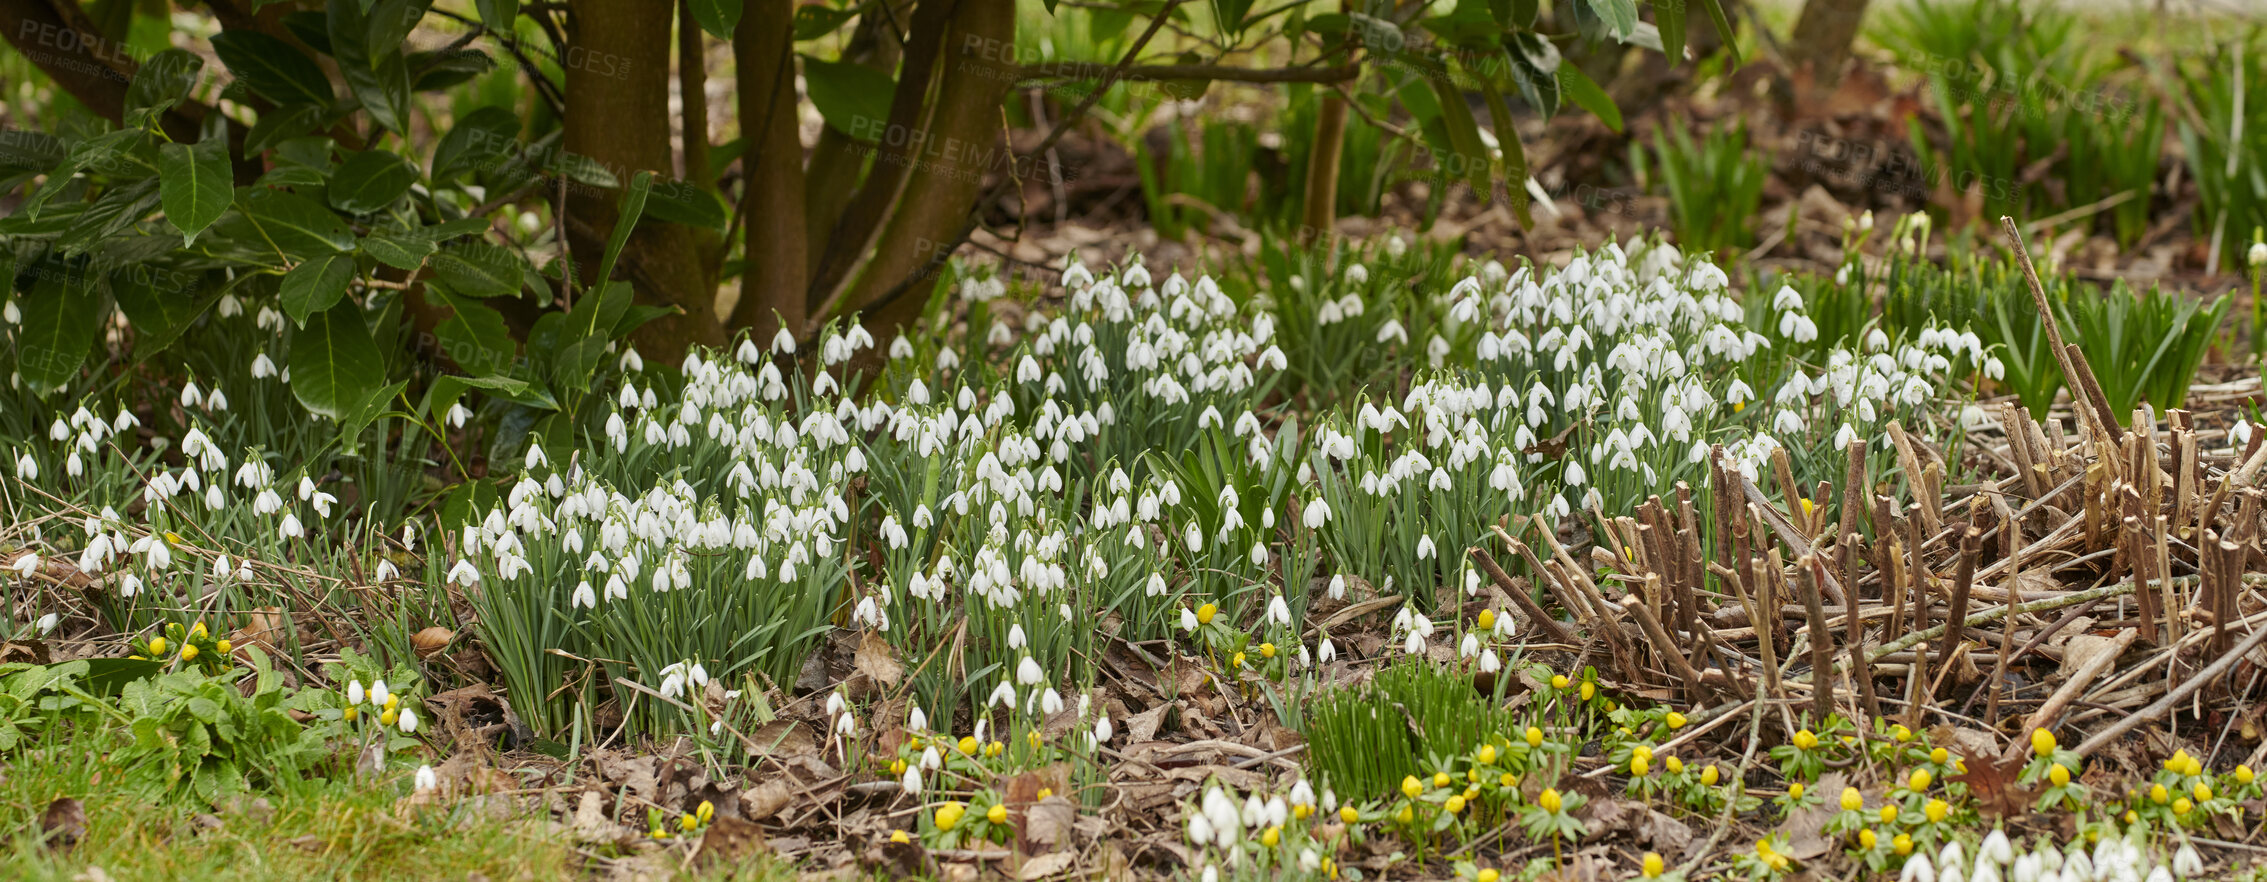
1675,720
688,822
2202,792
388,718
1489,875
1410,786
997,814
189,652
2060,775
1638,765
1267,650
1205,613
1936,810
2158,794
995,749
897,767
1940,756
1508,780
1534,737
1440,779
1271,837
1455,804
1654,865
1487,620
350,714
1867,839
1795,790
1900,733
1045,792
706,812
1804,740
949,815
223,646
2243,774
1888,813
1549,801
1673,765
1589,690
1486,754
899,837
1919,780
1903,844
1852,800
1033,737
1558,681
1347,814
2182,806
968,745
1708,775
157,646
1406,815
1237,661
2042,742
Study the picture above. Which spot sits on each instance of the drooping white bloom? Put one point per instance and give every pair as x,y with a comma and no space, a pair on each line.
426,780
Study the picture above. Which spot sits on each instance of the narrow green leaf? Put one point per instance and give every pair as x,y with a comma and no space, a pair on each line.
633,207
1584,92
161,83
477,142
196,184
317,284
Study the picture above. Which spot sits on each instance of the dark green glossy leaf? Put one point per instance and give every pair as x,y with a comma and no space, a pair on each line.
293,226
283,124
198,184
62,315
114,212
406,252
160,83
498,15
474,335
335,365
813,21
160,303
682,202
370,181
274,69
852,97
717,17
478,269
478,141
389,23
317,284
1584,92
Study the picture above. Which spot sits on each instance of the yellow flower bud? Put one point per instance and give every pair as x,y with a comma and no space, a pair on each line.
2243,774
1589,690
1673,765
1508,780
706,811
1489,875
1867,839
157,646
899,837
350,714
1347,814
1033,737
1675,720
1903,844
1708,775
1939,756
388,718
1936,810
1267,650
1406,815
2202,792
1486,754
1205,613
687,823
1549,800
1558,681
1888,813
1455,804
1440,779
1795,790
1487,619
1852,800
1654,865
2182,806
1919,780
1901,733
968,745
1804,740
2158,794
949,814
1237,661
1534,737
997,814
189,652
1045,792
897,767
1411,787
223,646
1271,837
2042,742
1638,766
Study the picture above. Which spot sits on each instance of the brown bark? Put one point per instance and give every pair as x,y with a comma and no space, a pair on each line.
963,143
1320,213
909,114
774,285
838,160
618,115
58,37
1823,34
692,131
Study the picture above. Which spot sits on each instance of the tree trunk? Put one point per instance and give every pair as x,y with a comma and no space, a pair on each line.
838,160
618,115
58,37
963,142
692,99
774,283
1823,35
1320,212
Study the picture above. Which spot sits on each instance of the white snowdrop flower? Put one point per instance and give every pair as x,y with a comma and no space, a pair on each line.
1425,549
1952,860
46,623
1188,619
2256,257
263,367
2159,874
408,720
27,469
1002,695
1028,673
191,396
1917,869
290,528
1050,702
457,416
354,692
2187,863
1470,647
10,314
1103,730
129,585
1200,830
584,597
1278,611
378,692
464,573
426,780
1415,644
1995,848
1327,652
1337,586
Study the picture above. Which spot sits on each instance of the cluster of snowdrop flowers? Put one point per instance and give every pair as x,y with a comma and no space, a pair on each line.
2125,858
1271,832
392,713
